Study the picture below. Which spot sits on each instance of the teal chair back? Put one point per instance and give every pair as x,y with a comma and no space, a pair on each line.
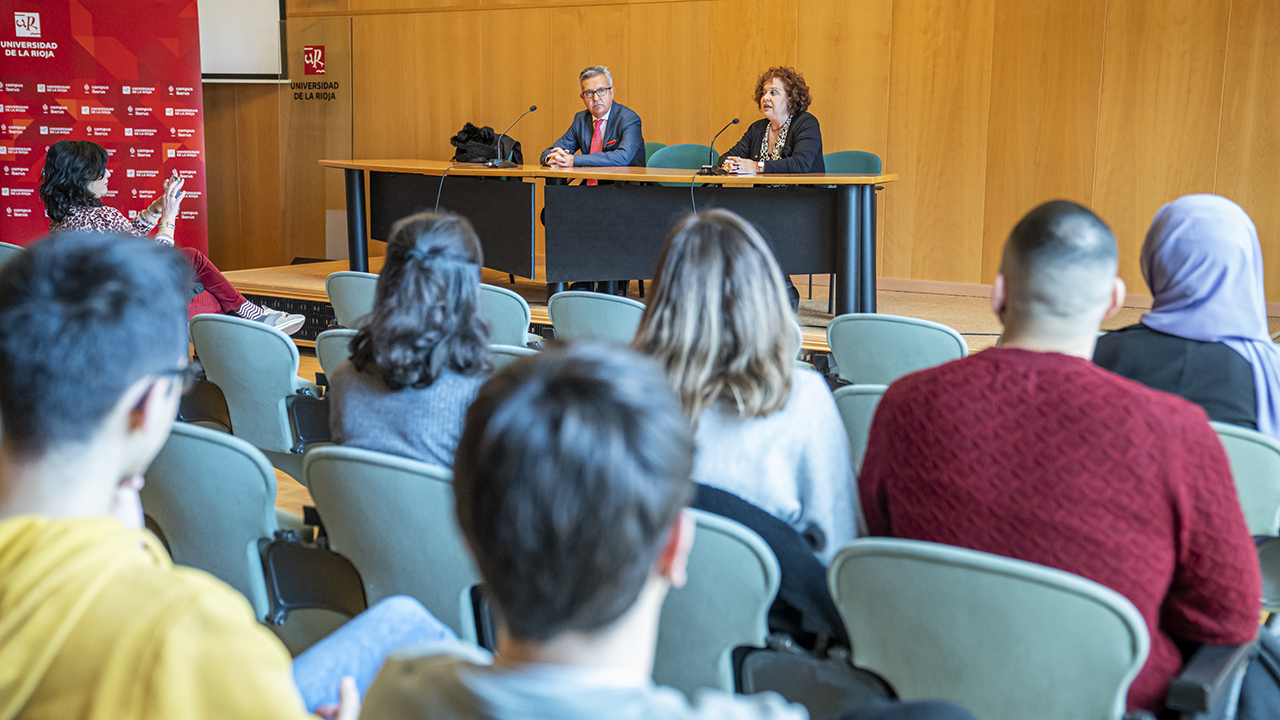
578,315
686,156
393,518
650,148
1006,639
333,347
1255,465
212,497
507,314
8,252
256,367
876,349
351,293
733,578
857,405
852,161
503,355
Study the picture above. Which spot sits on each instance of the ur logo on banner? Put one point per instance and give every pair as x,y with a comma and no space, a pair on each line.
313,59
26,24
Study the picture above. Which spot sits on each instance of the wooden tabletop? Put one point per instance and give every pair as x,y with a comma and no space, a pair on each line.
634,174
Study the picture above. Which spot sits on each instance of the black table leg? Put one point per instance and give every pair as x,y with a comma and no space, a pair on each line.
848,232
553,288
357,227
866,301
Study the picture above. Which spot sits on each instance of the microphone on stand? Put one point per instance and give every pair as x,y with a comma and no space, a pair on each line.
711,169
497,161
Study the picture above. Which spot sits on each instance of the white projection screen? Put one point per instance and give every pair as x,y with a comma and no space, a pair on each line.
240,39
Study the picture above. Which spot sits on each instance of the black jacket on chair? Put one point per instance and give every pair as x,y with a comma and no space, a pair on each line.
801,152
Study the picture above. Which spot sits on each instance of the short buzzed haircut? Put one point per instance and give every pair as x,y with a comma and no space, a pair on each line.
572,467
83,316
1059,263
593,71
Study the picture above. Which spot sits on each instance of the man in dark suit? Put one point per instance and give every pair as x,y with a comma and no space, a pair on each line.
606,133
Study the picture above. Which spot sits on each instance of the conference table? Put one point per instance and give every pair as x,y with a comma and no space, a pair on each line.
815,223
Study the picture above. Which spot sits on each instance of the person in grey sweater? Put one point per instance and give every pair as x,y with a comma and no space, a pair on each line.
770,433
418,363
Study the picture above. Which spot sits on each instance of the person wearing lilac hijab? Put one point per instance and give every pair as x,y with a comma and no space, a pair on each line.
1206,337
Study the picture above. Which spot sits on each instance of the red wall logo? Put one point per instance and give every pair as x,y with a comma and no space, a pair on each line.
26,24
313,59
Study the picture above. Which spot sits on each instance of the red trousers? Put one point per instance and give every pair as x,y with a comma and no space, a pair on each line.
229,299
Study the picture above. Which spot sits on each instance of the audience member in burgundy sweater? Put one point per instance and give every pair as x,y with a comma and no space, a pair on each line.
1033,452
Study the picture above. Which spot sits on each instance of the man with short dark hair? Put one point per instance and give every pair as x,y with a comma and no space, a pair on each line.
1029,450
570,481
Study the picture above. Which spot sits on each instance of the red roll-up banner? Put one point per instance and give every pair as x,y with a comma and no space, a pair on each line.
122,73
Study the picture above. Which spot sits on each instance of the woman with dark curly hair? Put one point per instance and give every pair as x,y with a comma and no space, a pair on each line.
72,184
417,365
788,139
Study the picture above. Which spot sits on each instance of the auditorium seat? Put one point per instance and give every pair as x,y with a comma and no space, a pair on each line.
872,348
507,314
503,355
211,497
857,405
1255,465
333,347
8,252
256,367
578,315
686,156
650,148
351,293
393,518
733,579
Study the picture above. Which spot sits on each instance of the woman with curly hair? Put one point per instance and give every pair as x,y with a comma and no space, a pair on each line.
765,430
417,365
72,184
788,139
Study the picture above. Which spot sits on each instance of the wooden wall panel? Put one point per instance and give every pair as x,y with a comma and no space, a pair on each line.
938,98
222,175
746,38
1159,117
1046,75
448,95
669,70
585,36
386,72
515,71
1249,150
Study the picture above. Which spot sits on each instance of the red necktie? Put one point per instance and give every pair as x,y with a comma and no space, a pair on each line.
597,143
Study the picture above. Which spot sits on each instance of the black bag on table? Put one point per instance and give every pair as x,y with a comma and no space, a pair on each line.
478,144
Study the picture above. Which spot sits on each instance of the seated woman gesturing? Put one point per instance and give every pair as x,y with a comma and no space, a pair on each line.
72,185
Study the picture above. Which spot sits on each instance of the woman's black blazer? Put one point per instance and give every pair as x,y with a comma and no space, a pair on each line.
801,153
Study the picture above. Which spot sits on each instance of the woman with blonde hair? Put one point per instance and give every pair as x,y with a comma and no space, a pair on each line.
766,431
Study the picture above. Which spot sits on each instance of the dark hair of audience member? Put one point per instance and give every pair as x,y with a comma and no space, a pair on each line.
572,467
69,167
84,316
1059,263
425,318
717,318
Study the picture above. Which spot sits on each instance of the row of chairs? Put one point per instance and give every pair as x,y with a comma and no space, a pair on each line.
691,156
932,621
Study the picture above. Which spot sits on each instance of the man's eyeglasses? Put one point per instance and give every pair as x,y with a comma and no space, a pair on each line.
588,94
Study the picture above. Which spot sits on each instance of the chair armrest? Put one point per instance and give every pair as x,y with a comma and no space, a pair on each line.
1210,678
303,577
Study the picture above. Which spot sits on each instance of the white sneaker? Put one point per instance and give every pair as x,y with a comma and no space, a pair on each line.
287,323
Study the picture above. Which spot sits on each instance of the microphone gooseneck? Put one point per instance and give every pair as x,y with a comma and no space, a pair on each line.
497,158
711,158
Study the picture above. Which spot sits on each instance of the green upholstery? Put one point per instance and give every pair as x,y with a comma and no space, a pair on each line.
351,293
733,579
686,156
857,405
256,367
393,518
1006,639
333,347
650,148
213,498
873,348
507,314
503,355
8,252
578,315
1255,465
852,161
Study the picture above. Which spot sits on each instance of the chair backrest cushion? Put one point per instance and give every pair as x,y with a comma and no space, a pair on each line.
857,405
733,578
580,315
351,293
852,161
878,349
393,518
507,314
333,347
1005,639
213,496
256,367
503,355
8,252
1255,465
